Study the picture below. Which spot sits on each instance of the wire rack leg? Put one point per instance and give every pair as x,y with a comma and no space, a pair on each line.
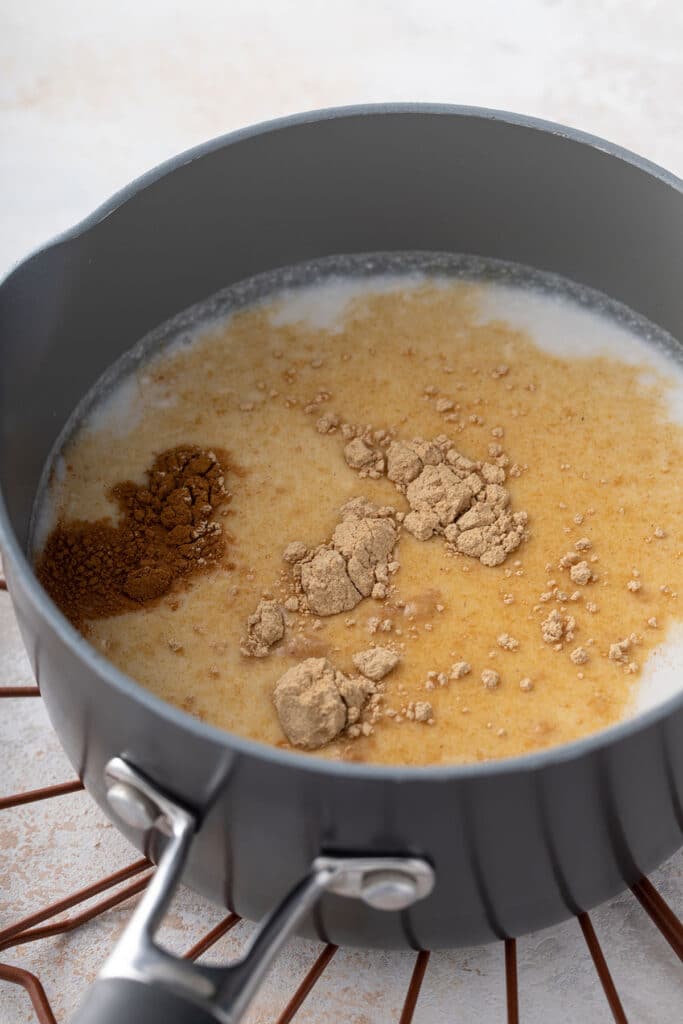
311,978
19,691
221,929
660,913
511,988
32,796
413,992
36,992
602,969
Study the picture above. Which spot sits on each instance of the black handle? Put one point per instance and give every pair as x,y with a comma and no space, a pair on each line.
124,1001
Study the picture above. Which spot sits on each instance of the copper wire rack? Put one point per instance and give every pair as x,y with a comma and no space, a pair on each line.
123,885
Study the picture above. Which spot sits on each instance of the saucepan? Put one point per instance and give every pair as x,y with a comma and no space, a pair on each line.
420,858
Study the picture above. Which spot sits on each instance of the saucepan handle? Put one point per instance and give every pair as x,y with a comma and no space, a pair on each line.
143,984
119,1000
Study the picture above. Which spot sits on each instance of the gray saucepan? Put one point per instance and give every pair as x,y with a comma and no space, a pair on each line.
356,854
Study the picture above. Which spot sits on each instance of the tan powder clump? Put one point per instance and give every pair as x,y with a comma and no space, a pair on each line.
315,702
460,669
407,459
455,497
581,573
571,558
264,628
618,650
335,577
436,498
376,662
558,627
490,679
423,711
326,583
369,462
294,552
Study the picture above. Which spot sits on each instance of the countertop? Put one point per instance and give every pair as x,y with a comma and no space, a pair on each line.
91,95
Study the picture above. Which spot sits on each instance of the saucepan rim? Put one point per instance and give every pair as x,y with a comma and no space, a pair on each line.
100,666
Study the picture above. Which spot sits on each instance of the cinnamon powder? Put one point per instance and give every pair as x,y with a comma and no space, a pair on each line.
167,532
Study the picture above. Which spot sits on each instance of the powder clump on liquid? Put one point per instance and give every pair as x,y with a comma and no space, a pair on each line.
360,456
166,533
423,711
579,656
336,576
618,650
460,669
450,495
490,679
581,573
264,628
376,663
315,702
558,627
327,585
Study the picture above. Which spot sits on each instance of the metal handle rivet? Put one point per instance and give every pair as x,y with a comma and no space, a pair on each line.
388,890
131,806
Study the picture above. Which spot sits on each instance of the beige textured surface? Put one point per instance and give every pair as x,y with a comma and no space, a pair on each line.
92,95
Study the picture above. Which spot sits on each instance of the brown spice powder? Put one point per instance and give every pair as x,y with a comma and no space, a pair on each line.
96,569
